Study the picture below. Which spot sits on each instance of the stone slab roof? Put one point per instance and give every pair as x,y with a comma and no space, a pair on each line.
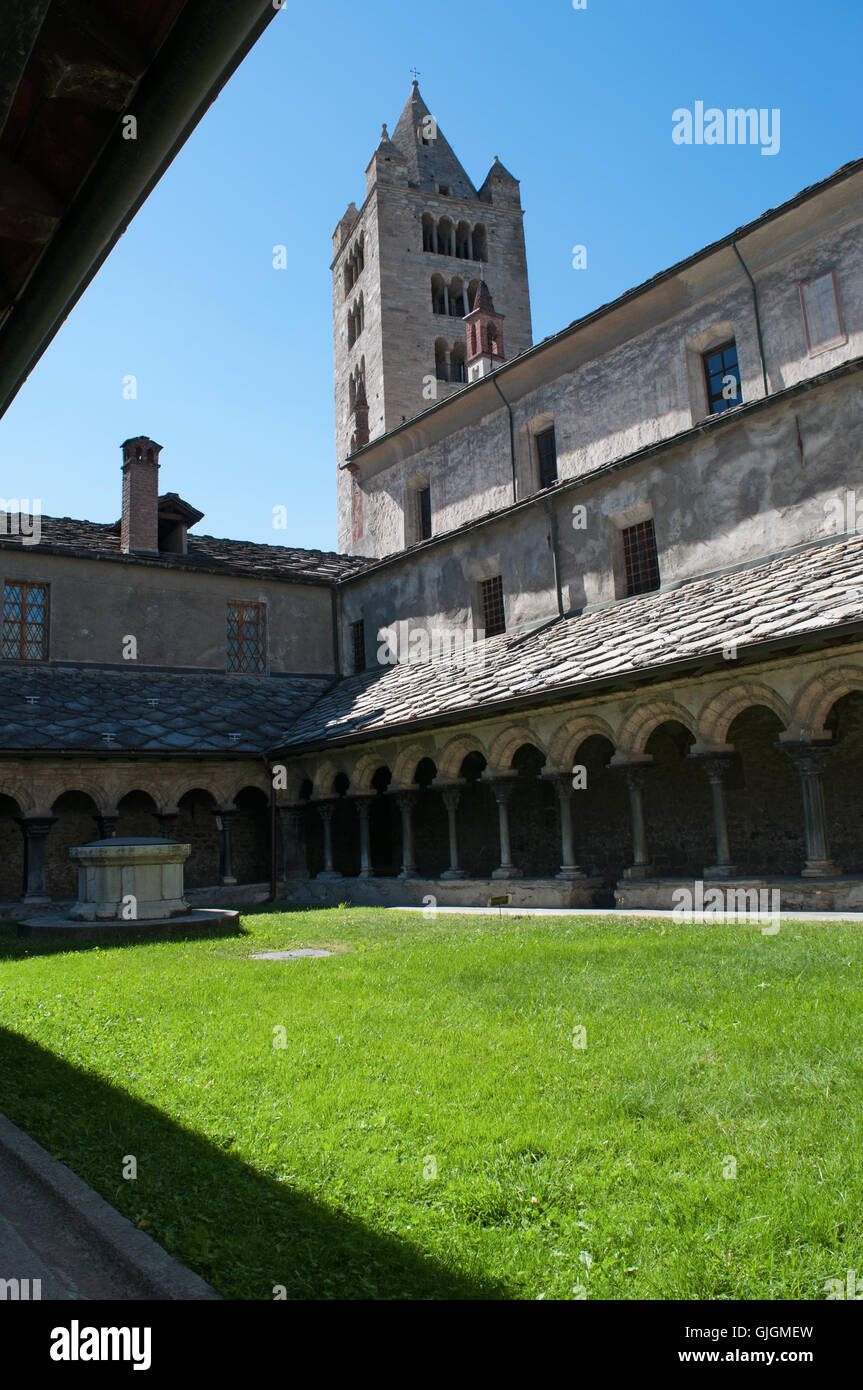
55,708
803,592
66,535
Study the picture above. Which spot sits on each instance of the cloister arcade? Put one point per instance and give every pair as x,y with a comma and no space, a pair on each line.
740,784
725,779
224,814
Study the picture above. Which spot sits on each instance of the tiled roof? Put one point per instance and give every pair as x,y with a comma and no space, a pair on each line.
806,591
55,707
205,552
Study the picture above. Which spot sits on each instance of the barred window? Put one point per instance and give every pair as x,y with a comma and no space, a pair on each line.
358,645
245,645
640,558
494,620
25,622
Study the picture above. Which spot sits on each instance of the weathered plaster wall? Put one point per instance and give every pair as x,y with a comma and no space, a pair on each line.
757,485
178,617
630,378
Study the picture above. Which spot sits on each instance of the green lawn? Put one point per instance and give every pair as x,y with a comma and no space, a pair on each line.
448,1045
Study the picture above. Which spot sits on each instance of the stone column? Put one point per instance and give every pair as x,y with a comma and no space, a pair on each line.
809,759
469,246
35,830
325,811
446,299
641,866
108,825
563,786
406,802
450,800
364,806
291,843
224,821
503,789
717,767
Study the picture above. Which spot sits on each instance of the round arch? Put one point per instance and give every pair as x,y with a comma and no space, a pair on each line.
568,738
454,753
640,723
718,712
817,697
506,745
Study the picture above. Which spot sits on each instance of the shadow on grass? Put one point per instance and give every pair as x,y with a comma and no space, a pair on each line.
244,1232
15,947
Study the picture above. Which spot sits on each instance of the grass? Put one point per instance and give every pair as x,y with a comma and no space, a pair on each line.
431,1130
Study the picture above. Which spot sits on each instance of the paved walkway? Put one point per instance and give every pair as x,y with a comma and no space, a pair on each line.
56,1229
621,912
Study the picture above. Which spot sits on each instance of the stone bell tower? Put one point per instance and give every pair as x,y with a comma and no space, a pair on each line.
407,267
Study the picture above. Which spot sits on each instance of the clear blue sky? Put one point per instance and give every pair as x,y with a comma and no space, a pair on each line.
234,359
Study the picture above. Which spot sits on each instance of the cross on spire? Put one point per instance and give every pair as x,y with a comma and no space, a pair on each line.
417,74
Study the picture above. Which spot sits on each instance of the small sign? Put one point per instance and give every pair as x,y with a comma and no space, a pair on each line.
503,900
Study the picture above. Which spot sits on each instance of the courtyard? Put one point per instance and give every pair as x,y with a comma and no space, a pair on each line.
458,1106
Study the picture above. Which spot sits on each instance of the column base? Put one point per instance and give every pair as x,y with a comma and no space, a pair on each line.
36,898
507,871
821,868
454,873
329,875
720,871
568,874
407,871
226,881
639,871
365,873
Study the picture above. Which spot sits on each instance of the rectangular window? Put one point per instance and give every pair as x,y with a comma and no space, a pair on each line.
424,513
25,622
722,373
358,645
546,451
493,618
245,645
821,316
640,558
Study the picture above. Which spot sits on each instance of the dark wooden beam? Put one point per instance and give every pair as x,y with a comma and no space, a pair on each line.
20,22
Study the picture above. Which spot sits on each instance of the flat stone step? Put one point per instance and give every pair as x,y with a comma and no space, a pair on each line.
210,917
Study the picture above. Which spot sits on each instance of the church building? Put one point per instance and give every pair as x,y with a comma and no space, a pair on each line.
594,626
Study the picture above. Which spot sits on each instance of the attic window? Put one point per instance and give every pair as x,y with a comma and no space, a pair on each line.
445,189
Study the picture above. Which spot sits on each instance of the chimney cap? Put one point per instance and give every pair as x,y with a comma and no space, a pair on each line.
141,449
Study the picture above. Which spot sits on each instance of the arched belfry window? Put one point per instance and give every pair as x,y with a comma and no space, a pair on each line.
440,304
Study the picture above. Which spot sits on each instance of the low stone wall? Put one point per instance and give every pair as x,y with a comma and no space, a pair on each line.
795,894
463,892
228,895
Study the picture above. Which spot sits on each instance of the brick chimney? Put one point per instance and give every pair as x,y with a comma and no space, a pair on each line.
139,527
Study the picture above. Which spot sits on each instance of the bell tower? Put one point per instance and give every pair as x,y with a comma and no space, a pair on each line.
406,272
